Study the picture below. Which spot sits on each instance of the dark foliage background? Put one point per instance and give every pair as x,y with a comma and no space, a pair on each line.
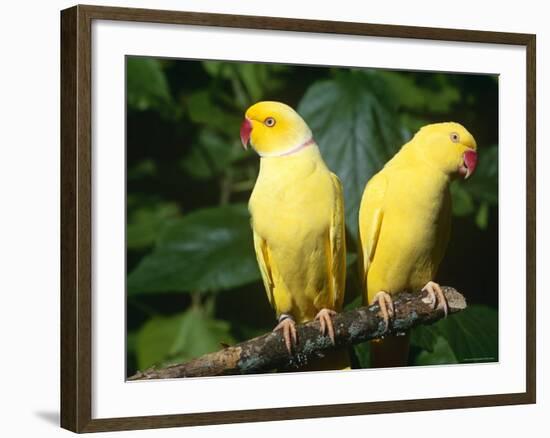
193,282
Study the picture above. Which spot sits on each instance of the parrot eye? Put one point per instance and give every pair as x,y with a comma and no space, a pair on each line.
455,138
269,122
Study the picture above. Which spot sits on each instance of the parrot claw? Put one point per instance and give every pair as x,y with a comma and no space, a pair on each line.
435,296
325,320
383,299
288,328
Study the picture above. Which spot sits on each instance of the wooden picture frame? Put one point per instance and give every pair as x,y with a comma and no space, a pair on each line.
76,217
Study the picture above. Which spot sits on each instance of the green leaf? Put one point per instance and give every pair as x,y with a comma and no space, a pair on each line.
155,339
145,223
164,340
483,185
351,258
146,84
251,75
356,128
471,334
208,250
131,341
476,195
204,111
438,98
462,201
257,79
482,216
441,354
143,169
210,155
467,337
362,353
215,68
424,337
355,303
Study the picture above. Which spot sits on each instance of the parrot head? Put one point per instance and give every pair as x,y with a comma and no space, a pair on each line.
448,146
274,129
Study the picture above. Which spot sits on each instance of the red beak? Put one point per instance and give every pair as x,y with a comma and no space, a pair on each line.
470,163
246,129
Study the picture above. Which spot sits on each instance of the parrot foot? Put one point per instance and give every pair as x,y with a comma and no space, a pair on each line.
435,296
288,328
325,320
383,299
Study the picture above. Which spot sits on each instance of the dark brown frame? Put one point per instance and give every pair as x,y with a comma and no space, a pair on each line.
76,238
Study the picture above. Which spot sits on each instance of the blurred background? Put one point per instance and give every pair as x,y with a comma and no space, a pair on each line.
192,279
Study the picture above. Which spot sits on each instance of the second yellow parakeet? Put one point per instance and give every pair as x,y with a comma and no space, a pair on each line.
404,223
297,219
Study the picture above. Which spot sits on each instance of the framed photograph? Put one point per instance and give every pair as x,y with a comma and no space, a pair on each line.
268,218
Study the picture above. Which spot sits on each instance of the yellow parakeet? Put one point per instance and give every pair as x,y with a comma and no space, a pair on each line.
404,223
297,219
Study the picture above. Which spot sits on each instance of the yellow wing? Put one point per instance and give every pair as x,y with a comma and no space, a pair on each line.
444,232
262,255
371,213
337,241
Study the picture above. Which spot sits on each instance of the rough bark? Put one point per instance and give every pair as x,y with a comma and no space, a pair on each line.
268,352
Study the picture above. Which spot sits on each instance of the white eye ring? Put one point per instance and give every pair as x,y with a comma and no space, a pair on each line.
455,138
269,122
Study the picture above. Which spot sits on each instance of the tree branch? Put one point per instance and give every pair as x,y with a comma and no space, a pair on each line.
268,352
